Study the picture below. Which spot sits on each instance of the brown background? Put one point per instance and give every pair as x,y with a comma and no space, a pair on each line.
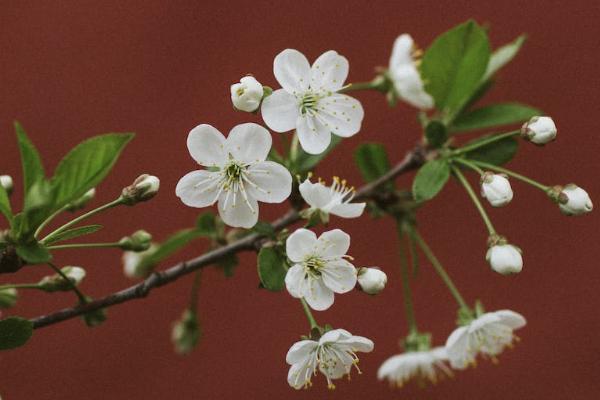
71,69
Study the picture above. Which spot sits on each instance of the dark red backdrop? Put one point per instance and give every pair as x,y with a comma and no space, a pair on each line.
71,69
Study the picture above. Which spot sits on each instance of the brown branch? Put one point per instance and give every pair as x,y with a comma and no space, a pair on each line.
250,242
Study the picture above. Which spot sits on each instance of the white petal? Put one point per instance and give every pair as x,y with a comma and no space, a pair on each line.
280,111
300,350
296,281
389,367
402,51
237,214
339,276
300,373
314,136
334,243
316,195
348,210
511,319
207,146
292,71
318,296
249,143
269,182
341,114
198,188
410,87
457,348
300,244
359,343
332,336
329,72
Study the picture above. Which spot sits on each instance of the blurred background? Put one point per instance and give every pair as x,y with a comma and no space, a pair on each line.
73,69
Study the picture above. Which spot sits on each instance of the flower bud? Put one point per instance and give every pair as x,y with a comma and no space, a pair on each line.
505,259
94,318
133,265
539,130
573,200
6,182
496,189
82,201
247,94
56,283
8,297
143,188
371,280
186,332
139,241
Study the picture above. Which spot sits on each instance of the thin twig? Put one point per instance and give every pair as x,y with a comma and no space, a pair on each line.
412,160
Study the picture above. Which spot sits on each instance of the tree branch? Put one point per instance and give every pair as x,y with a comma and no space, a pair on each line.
412,160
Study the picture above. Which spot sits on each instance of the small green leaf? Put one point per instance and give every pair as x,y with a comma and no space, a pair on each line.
33,170
454,64
228,264
372,160
168,247
496,153
39,205
5,205
14,332
33,253
494,115
503,56
272,268
306,162
436,134
430,179
86,165
206,224
75,233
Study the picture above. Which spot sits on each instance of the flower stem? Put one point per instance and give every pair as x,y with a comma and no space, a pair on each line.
469,164
406,291
485,142
352,87
515,175
478,205
81,296
293,153
84,246
82,217
311,319
48,220
440,270
20,286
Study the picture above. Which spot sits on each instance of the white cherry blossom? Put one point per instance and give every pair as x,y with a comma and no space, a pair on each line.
488,335
333,355
320,267
404,73
238,178
420,365
309,100
335,199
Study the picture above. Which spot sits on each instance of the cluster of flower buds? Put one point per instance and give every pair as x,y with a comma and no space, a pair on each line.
57,283
138,241
143,188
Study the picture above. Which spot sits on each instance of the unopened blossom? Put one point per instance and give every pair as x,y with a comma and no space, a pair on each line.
309,101
8,297
404,73
488,335
335,199
320,268
420,365
143,188
496,189
573,200
334,355
539,130
133,265
82,201
505,259
247,94
56,282
371,280
6,182
239,175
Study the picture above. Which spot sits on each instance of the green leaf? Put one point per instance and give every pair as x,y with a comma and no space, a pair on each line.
14,332
5,205
228,263
75,233
87,165
436,134
430,179
206,224
272,268
494,115
168,247
33,170
503,56
38,205
454,64
496,153
306,162
33,253
372,161
264,228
